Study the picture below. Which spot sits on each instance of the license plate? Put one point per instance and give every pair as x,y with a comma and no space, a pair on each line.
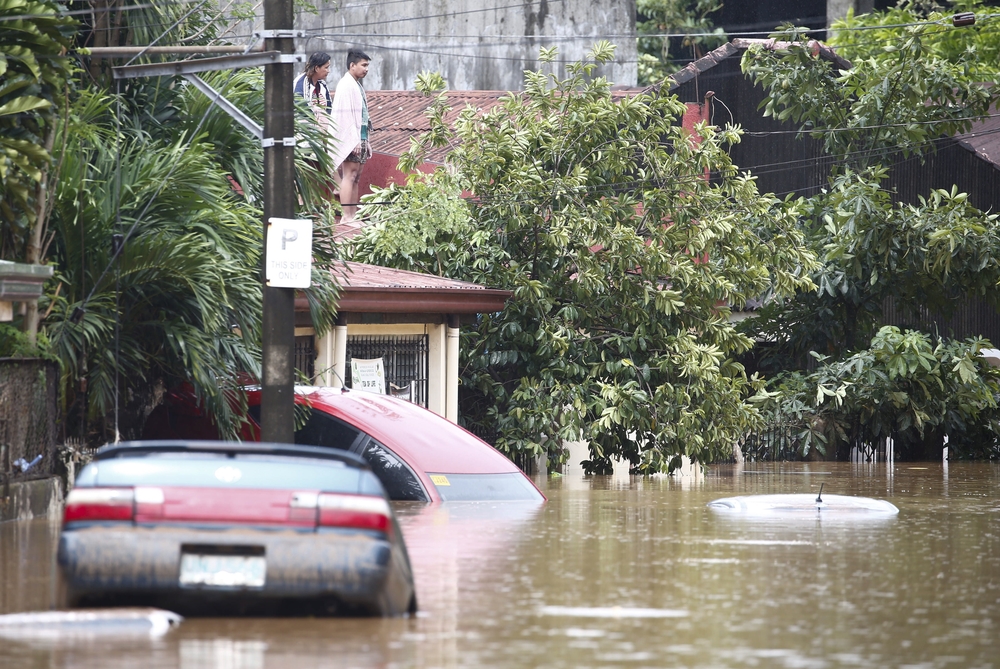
222,571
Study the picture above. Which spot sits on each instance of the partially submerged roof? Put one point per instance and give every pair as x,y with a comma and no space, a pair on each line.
373,289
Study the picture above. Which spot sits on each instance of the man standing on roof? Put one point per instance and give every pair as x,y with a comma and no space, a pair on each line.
351,126
311,85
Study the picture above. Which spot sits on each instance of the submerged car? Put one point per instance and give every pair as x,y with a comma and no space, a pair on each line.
417,454
201,527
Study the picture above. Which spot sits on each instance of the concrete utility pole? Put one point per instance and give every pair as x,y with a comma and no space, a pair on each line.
277,410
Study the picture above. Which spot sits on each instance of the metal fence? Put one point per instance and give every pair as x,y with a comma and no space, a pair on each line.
305,355
404,357
970,317
783,442
28,419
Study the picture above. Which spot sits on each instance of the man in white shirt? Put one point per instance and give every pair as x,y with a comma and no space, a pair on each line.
351,128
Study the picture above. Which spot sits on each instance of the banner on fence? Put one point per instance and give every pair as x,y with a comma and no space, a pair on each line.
368,375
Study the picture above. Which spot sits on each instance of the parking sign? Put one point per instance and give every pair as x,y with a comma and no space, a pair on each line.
289,253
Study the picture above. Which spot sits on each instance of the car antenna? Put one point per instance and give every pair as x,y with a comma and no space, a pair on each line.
819,497
332,370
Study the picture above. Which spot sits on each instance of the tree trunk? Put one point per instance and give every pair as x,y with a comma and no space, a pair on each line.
34,250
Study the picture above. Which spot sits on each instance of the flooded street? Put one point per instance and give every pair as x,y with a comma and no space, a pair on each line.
626,572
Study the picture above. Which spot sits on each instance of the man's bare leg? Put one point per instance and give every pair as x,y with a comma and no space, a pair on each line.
349,190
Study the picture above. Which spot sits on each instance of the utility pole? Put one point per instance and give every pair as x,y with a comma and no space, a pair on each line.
277,410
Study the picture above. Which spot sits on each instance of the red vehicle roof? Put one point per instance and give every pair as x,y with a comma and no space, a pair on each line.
424,439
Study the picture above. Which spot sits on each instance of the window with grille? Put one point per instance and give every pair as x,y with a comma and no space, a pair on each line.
404,358
305,355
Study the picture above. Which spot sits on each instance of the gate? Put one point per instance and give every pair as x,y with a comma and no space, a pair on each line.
405,358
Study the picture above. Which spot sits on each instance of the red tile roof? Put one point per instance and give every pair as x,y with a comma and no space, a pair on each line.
374,289
399,115
360,275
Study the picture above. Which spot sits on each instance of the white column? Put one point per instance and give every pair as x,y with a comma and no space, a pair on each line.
324,359
437,371
339,355
451,374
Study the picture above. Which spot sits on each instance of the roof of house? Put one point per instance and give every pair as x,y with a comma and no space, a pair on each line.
984,138
399,115
373,289
738,46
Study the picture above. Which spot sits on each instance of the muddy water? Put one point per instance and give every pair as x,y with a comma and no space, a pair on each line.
632,573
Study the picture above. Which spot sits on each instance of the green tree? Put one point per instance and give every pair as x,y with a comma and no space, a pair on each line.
153,161
183,295
623,257
908,385
866,36
690,18
893,102
897,99
34,80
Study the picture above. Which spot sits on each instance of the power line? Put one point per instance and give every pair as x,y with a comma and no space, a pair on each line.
164,33
821,131
96,10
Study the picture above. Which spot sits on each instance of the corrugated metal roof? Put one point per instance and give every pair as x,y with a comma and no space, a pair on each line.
984,138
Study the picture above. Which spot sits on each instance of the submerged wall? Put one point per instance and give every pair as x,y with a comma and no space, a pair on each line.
30,500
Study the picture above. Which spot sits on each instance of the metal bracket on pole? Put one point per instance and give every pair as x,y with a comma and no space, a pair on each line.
268,142
279,34
226,105
207,65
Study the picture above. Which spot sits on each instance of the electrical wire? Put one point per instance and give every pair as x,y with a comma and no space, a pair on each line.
164,33
826,131
824,160
91,11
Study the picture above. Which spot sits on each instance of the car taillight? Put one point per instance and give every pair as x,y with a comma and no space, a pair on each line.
83,504
355,511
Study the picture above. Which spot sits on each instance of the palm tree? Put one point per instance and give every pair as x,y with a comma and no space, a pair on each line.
180,182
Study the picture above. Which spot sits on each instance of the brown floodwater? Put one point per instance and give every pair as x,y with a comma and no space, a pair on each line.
625,572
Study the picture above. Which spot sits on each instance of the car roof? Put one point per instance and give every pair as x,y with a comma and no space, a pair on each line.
421,437
141,448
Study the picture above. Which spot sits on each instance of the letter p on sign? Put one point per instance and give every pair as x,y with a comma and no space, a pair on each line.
289,253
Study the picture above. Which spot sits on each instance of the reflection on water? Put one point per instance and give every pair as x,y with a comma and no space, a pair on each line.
630,572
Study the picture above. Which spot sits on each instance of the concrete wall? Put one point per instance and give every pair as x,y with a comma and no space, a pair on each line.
475,47
837,9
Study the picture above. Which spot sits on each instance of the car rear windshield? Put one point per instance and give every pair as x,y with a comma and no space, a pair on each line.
484,487
211,470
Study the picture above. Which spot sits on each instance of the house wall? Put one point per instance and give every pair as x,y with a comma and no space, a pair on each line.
950,164
475,47
437,367
781,163
381,170
784,163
